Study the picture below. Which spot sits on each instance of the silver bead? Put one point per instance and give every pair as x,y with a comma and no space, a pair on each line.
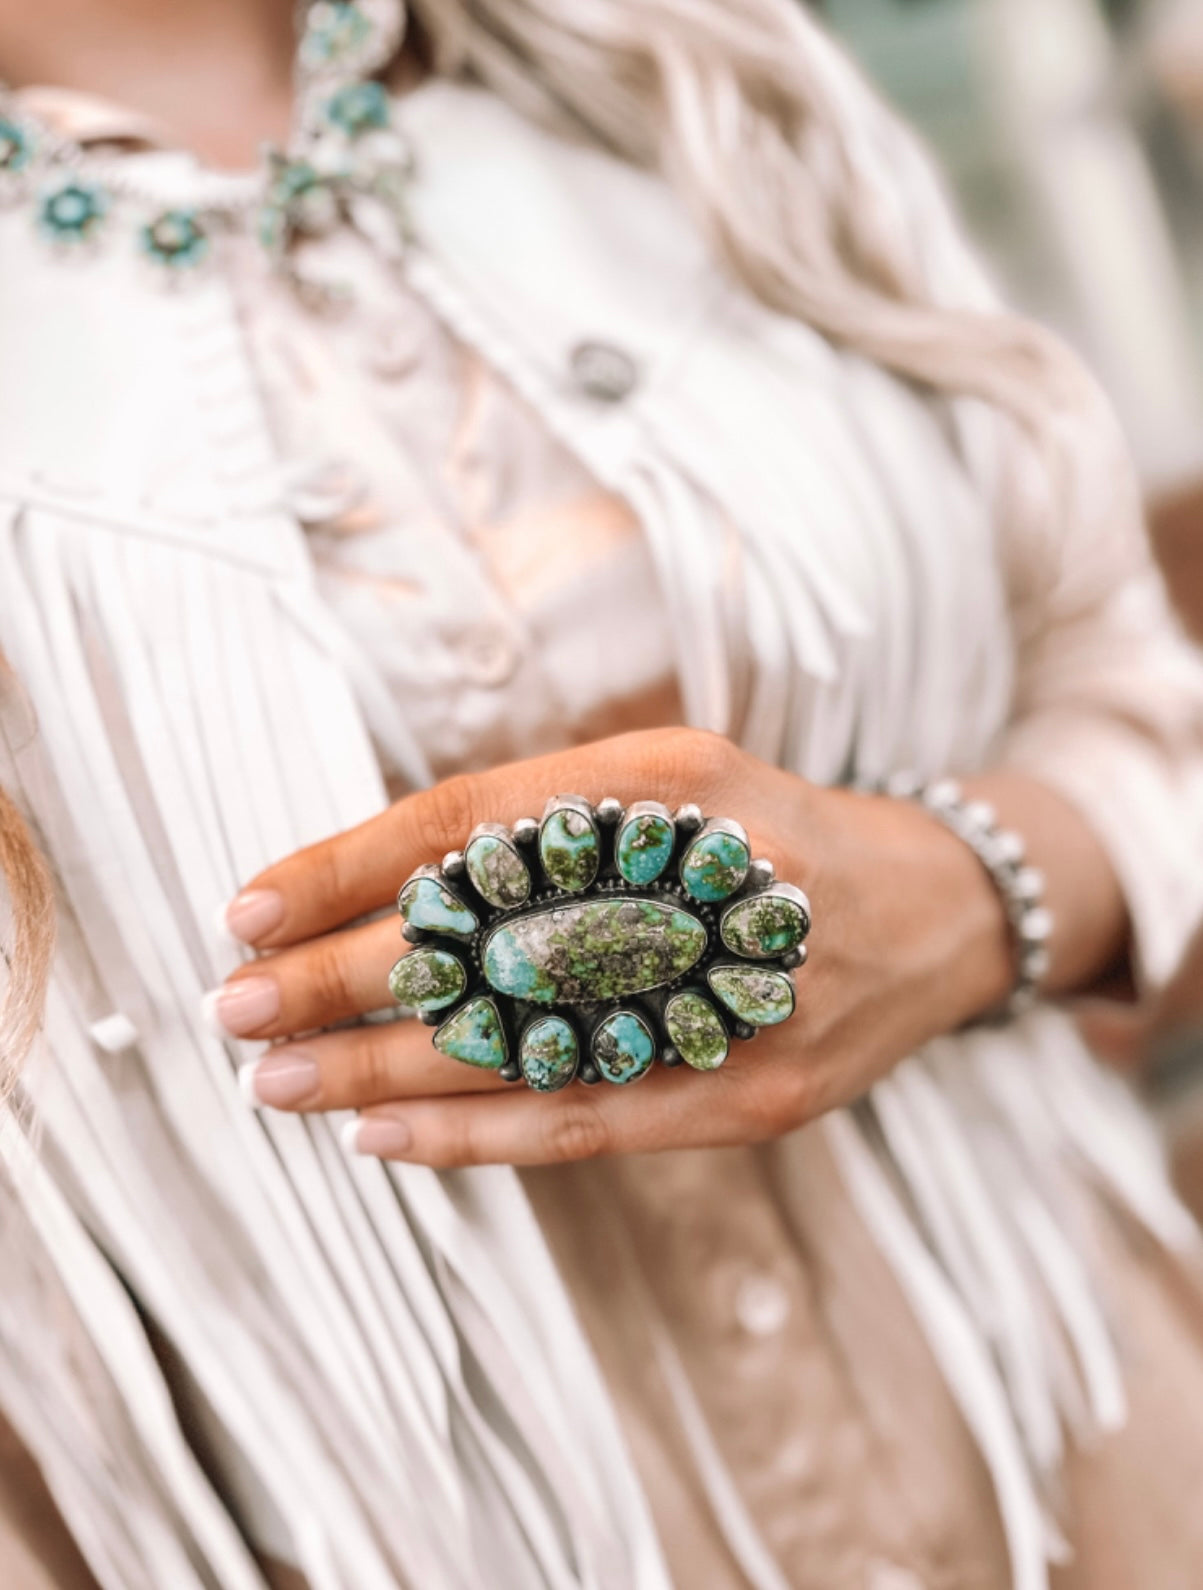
453,863
609,810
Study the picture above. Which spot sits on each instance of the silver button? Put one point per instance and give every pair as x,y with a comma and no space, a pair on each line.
488,656
761,1305
603,371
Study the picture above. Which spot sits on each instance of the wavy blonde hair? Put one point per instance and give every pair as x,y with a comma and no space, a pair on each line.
810,190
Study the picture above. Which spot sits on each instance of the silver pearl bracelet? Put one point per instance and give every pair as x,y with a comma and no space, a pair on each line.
1003,854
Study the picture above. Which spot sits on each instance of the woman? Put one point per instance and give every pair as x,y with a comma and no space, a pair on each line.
621,370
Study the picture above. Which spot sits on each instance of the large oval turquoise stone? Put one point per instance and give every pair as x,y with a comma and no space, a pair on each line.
575,952
696,1030
497,871
425,903
623,1047
428,979
569,849
474,1035
644,848
548,1054
715,865
757,994
764,925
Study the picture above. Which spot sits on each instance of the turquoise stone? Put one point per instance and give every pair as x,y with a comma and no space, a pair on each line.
74,212
715,865
644,848
569,849
757,994
428,979
359,108
175,239
16,145
623,1047
497,871
474,1035
425,903
696,1030
587,950
335,31
548,1054
764,925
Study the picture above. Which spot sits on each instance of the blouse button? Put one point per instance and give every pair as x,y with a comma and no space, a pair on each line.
395,349
603,372
488,656
761,1305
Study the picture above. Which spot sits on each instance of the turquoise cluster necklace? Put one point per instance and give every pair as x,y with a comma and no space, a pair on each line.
345,161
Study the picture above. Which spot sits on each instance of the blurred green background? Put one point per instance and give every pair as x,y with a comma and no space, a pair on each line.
1072,131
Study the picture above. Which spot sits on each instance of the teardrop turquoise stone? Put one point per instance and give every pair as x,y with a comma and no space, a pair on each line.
578,951
428,979
548,1054
474,1035
764,925
697,1030
758,994
497,871
644,848
569,849
715,865
623,1047
425,903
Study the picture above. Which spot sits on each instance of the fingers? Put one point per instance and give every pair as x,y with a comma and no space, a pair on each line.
314,985
352,874
666,1109
360,1067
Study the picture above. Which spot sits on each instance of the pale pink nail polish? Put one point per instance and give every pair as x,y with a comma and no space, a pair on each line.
380,1136
242,1007
252,914
280,1080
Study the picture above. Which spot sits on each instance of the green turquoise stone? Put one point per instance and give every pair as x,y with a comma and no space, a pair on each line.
425,903
359,107
548,1054
592,950
715,865
428,979
623,1047
569,849
474,1035
497,871
757,994
644,848
765,925
697,1031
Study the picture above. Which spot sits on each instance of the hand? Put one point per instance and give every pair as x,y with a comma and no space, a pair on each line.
909,941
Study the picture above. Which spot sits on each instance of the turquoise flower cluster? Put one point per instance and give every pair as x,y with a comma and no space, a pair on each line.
335,32
74,213
359,108
176,239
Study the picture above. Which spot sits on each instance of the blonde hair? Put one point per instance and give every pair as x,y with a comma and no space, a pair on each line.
29,942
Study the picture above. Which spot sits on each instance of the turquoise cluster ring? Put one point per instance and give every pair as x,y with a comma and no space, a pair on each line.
594,942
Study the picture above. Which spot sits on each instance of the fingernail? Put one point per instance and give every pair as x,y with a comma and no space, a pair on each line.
242,1007
383,1137
281,1080
252,914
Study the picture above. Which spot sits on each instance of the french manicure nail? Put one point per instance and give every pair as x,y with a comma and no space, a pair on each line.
242,1007
252,914
382,1137
281,1080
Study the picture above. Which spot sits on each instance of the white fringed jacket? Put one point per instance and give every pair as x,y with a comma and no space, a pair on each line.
386,1357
